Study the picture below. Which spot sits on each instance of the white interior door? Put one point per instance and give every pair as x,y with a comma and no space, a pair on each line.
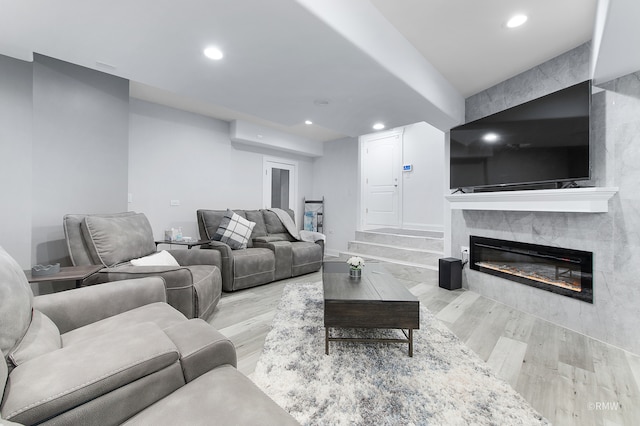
279,183
381,161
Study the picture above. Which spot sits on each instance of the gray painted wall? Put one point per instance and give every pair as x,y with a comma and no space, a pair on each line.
80,149
613,237
64,136
423,202
178,155
15,154
336,178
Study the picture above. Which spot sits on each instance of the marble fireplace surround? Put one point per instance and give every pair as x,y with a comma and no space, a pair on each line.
611,234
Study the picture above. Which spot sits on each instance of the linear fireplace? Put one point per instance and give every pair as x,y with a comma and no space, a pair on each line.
559,270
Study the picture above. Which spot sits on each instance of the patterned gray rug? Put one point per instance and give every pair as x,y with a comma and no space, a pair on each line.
445,383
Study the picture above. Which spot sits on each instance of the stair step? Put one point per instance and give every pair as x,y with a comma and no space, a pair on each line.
385,259
408,232
398,240
394,253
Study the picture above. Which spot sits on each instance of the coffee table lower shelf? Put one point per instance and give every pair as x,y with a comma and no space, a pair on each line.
408,333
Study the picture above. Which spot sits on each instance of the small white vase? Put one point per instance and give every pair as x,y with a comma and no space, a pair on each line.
355,273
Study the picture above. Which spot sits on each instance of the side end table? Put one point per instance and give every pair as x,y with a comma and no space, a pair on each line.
67,273
189,244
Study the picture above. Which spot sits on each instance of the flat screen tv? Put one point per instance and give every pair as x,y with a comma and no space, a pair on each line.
545,140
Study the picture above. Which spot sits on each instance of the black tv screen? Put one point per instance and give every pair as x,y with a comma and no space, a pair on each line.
541,141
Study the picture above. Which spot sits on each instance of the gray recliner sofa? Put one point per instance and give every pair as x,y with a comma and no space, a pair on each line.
272,253
113,240
114,354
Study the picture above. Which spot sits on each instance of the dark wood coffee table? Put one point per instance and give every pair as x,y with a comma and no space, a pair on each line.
376,300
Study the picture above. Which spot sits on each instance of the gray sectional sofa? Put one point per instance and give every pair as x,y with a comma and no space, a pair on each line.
272,252
114,354
194,287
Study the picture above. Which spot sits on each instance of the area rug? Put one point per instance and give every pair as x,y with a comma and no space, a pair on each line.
445,383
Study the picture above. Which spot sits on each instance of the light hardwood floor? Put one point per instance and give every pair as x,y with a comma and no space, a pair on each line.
570,378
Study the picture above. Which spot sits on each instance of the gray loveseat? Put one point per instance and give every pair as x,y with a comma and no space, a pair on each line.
108,354
272,253
194,287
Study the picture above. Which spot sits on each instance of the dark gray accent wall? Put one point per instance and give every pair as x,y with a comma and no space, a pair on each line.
15,157
613,237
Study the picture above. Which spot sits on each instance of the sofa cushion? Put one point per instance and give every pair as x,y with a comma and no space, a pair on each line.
274,224
161,258
253,267
306,257
42,337
16,302
85,372
209,222
234,230
113,240
78,250
260,230
159,313
221,396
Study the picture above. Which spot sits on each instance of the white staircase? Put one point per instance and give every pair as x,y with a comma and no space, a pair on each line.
421,249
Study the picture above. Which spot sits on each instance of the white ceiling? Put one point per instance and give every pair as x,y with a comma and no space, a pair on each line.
282,57
469,43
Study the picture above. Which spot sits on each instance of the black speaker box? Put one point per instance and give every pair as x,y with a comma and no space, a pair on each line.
450,273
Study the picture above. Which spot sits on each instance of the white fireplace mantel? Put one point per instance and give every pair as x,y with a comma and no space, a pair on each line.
585,200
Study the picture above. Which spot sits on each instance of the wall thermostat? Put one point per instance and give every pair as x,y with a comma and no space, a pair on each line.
407,167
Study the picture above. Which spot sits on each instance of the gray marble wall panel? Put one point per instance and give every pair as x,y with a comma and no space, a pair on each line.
613,237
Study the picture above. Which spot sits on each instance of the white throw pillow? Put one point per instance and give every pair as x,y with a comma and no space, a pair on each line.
161,258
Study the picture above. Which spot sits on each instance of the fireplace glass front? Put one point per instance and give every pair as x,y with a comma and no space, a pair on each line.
564,271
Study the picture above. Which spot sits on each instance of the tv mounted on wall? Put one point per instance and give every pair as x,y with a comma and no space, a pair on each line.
543,141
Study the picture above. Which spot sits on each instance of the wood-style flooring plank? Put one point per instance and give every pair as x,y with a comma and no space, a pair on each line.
465,326
569,378
506,359
489,330
619,398
539,386
456,308
574,350
578,386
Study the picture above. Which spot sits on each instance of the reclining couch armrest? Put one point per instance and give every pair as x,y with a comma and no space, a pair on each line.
58,381
78,307
282,250
202,348
178,282
197,257
226,257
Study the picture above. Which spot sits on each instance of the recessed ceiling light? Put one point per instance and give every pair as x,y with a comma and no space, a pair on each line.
308,122
378,126
213,53
516,21
490,137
